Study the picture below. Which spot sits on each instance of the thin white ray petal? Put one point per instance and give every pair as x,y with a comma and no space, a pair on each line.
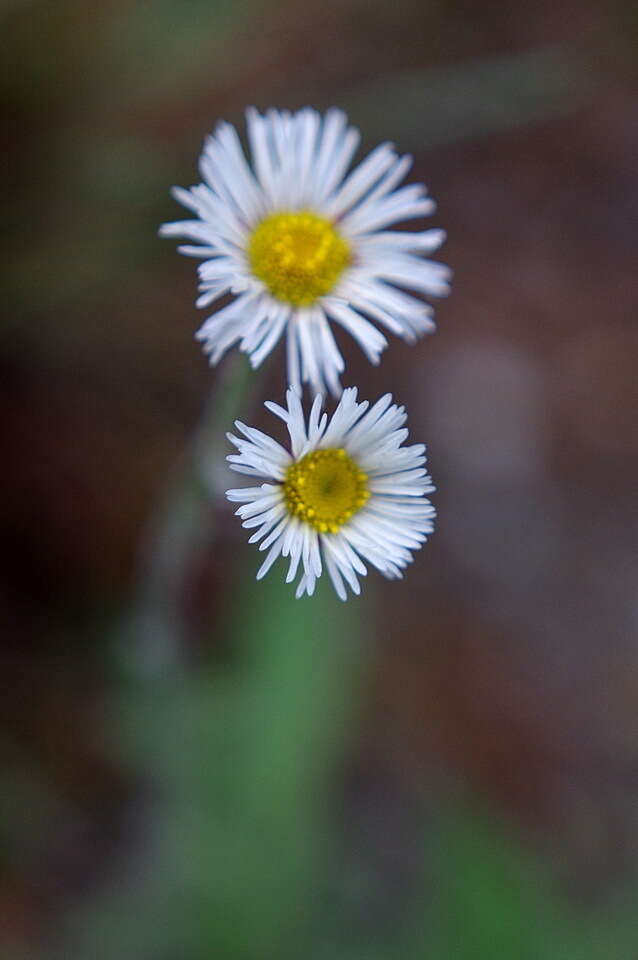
371,341
335,577
274,552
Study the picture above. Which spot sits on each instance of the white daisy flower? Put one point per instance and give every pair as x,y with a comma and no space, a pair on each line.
299,243
347,492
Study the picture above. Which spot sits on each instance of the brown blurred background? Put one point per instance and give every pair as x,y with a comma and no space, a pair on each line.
507,661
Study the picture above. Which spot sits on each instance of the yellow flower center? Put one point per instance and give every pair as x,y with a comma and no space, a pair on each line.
299,256
325,489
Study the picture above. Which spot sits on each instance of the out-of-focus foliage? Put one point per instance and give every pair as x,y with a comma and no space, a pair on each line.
471,99
240,862
486,898
242,758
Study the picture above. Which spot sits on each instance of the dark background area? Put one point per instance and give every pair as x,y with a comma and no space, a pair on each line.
505,667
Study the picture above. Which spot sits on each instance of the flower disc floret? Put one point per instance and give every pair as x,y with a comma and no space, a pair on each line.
298,256
325,489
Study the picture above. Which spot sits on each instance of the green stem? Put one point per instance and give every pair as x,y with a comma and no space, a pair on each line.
182,526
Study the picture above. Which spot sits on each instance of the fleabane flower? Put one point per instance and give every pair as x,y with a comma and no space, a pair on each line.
300,243
347,492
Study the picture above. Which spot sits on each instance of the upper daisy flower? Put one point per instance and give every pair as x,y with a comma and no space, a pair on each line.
346,492
299,242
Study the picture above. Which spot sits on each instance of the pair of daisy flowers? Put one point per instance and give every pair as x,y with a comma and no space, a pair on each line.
295,244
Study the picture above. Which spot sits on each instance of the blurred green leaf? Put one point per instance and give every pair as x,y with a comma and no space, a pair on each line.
483,896
426,108
165,48
489,898
243,759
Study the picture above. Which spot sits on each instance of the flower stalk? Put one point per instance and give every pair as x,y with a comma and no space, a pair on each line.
182,525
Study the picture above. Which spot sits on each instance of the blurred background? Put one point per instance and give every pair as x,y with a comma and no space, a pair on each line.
193,765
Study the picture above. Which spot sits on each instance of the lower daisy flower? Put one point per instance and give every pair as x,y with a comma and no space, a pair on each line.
347,491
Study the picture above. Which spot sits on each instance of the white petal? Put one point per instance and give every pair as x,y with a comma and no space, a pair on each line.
360,180
371,341
335,577
274,552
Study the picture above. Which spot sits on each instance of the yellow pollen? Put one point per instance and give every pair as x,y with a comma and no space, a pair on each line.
325,489
299,256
